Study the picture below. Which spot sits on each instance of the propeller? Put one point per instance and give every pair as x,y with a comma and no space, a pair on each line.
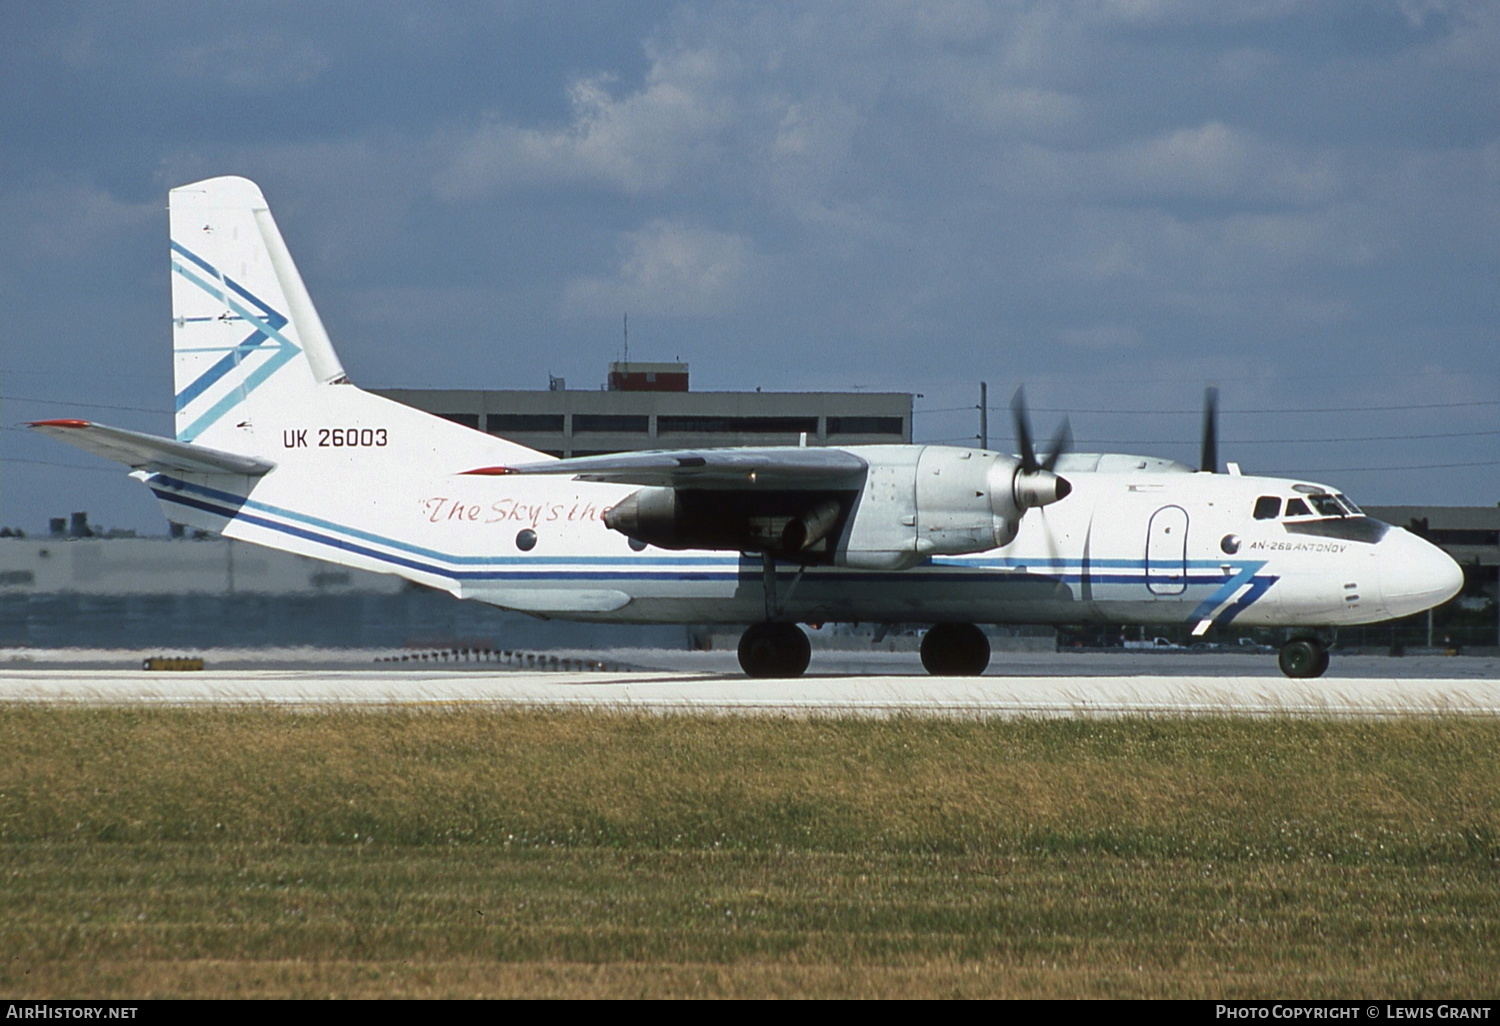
1208,462
1062,441
1036,484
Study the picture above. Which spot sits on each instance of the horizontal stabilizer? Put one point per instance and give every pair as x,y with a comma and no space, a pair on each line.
708,468
150,452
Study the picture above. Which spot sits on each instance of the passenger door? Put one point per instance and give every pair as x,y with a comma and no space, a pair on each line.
1166,551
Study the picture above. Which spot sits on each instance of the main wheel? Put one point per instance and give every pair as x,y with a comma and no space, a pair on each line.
1323,659
1303,657
955,650
774,650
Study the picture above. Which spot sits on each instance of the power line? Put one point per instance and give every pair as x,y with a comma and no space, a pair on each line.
1270,441
1359,438
1358,470
1235,412
66,466
80,402
1298,471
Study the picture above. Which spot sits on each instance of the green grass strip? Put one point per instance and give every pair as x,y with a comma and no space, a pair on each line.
526,853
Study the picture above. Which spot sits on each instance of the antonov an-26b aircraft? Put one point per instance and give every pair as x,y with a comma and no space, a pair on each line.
275,446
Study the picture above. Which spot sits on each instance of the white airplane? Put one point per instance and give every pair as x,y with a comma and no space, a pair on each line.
275,446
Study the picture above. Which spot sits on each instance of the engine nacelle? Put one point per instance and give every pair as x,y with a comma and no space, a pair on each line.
941,500
650,515
917,501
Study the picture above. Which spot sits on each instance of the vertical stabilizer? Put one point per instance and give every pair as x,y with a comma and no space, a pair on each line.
245,333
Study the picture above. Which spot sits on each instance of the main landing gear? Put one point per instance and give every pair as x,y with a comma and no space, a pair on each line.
777,649
1303,657
955,650
774,649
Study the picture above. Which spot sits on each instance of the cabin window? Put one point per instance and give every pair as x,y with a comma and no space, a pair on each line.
1267,507
1297,508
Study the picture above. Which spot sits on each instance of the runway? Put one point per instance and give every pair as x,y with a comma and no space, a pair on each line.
1041,685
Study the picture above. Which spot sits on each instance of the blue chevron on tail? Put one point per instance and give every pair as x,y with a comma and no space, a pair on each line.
245,333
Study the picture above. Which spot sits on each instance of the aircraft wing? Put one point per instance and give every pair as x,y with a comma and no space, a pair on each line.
782,467
150,452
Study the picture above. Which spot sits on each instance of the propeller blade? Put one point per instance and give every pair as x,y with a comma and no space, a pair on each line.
1209,460
1035,484
1022,422
1061,443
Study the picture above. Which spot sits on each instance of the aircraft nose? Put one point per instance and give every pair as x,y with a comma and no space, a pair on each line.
1416,575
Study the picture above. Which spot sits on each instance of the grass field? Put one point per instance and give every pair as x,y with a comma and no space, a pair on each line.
477,853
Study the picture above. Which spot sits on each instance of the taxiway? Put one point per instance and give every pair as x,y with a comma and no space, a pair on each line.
1044,684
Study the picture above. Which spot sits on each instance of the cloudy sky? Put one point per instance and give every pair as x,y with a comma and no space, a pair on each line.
1114,201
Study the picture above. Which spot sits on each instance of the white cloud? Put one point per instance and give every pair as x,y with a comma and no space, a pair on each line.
255,61
637,142
669,269
1208,162
68,221
1101,337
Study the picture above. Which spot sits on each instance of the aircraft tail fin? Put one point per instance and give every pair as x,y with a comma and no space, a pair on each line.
254,370
244,329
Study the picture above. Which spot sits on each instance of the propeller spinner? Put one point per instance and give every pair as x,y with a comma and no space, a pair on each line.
1035,482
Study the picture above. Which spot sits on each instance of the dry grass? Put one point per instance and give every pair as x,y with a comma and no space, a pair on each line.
164,853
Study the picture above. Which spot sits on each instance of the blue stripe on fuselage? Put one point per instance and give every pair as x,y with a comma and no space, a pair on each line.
683,568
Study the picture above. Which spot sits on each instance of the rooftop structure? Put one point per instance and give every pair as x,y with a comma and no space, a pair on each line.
648,406
648,377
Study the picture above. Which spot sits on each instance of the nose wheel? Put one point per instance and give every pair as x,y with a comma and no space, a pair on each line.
955,650
1303,657
774,650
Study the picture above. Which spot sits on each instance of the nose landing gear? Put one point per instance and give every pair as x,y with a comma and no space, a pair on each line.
1303,657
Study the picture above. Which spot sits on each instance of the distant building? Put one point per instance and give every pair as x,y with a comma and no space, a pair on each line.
136,593
648,406
1470,534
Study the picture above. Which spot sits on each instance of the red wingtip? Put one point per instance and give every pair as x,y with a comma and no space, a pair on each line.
60,423
490,471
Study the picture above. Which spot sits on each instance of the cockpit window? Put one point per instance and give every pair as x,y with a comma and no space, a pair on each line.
1267,507
1349,505
1327,505
1297,508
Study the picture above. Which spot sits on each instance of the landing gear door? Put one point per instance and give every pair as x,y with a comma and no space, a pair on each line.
1166,551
